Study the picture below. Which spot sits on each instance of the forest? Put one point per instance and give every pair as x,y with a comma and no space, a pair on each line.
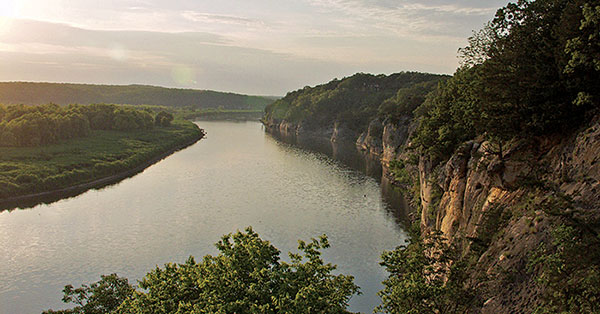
49,147
31,93
22,125
354,100
533,71
531,74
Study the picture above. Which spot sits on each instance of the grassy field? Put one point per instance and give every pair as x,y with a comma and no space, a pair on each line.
28,170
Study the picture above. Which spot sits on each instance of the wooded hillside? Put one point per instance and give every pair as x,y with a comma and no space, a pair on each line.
30,93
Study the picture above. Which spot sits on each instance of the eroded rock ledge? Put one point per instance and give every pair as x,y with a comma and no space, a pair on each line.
484,200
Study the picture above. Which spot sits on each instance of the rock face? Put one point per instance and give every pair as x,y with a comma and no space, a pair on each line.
394,138
480,197
371,140
301,130
342,133
484,200
386,139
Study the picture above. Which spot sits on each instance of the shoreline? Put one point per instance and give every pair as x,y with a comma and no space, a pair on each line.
12,202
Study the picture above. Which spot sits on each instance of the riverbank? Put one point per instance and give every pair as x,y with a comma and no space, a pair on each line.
35,174
236,176
223,115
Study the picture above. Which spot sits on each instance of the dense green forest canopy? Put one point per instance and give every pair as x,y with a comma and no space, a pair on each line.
354,100
533,70
30,93
22,125
99,154
247,276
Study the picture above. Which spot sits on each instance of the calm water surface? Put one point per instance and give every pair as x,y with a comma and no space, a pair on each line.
237,177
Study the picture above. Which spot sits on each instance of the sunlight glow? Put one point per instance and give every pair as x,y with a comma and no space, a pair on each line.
9,8
118,53
201,43
183,75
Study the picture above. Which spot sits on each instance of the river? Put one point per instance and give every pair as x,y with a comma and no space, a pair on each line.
237,176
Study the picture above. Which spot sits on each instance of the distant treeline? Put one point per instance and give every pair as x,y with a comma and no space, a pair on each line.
22,125
30,93
355,100
101,154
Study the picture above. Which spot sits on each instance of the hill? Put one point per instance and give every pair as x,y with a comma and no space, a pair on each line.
347,105
30,93
499,164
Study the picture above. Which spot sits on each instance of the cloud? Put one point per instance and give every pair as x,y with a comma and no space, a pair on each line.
414,19
259,46
197,60
218,18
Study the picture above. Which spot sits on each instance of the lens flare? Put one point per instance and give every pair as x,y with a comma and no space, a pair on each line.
118,53
183,75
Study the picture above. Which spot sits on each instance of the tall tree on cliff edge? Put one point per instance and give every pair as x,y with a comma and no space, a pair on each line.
533,70
535,64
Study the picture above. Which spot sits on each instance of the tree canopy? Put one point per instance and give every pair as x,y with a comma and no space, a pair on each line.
31,93
22,125
353,101
532,70
247,276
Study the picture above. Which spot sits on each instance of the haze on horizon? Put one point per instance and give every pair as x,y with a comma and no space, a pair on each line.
265,47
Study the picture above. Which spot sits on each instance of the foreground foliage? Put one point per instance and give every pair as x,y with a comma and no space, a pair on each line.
100,297
247,276
425,276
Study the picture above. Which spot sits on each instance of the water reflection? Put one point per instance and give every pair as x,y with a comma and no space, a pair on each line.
46,199
237,177
350,156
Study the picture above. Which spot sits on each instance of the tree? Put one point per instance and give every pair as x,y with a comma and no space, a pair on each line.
532,70
449,116
520,60
100,297
427,276
247,276
584,53
163,118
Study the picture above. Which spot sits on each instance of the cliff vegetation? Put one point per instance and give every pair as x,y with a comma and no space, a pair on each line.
499,163
350,103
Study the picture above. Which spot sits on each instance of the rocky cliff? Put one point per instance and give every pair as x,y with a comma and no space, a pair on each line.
497,205
334,132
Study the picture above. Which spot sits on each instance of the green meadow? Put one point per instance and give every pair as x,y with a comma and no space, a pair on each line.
103,153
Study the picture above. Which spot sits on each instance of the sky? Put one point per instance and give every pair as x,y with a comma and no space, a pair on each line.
258,47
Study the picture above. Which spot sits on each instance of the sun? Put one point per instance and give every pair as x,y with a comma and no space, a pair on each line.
9,8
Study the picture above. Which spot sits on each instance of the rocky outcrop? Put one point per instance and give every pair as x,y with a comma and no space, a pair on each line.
371,140
487,204
383,139
386,140
298,130
394,138
342,133
487,200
